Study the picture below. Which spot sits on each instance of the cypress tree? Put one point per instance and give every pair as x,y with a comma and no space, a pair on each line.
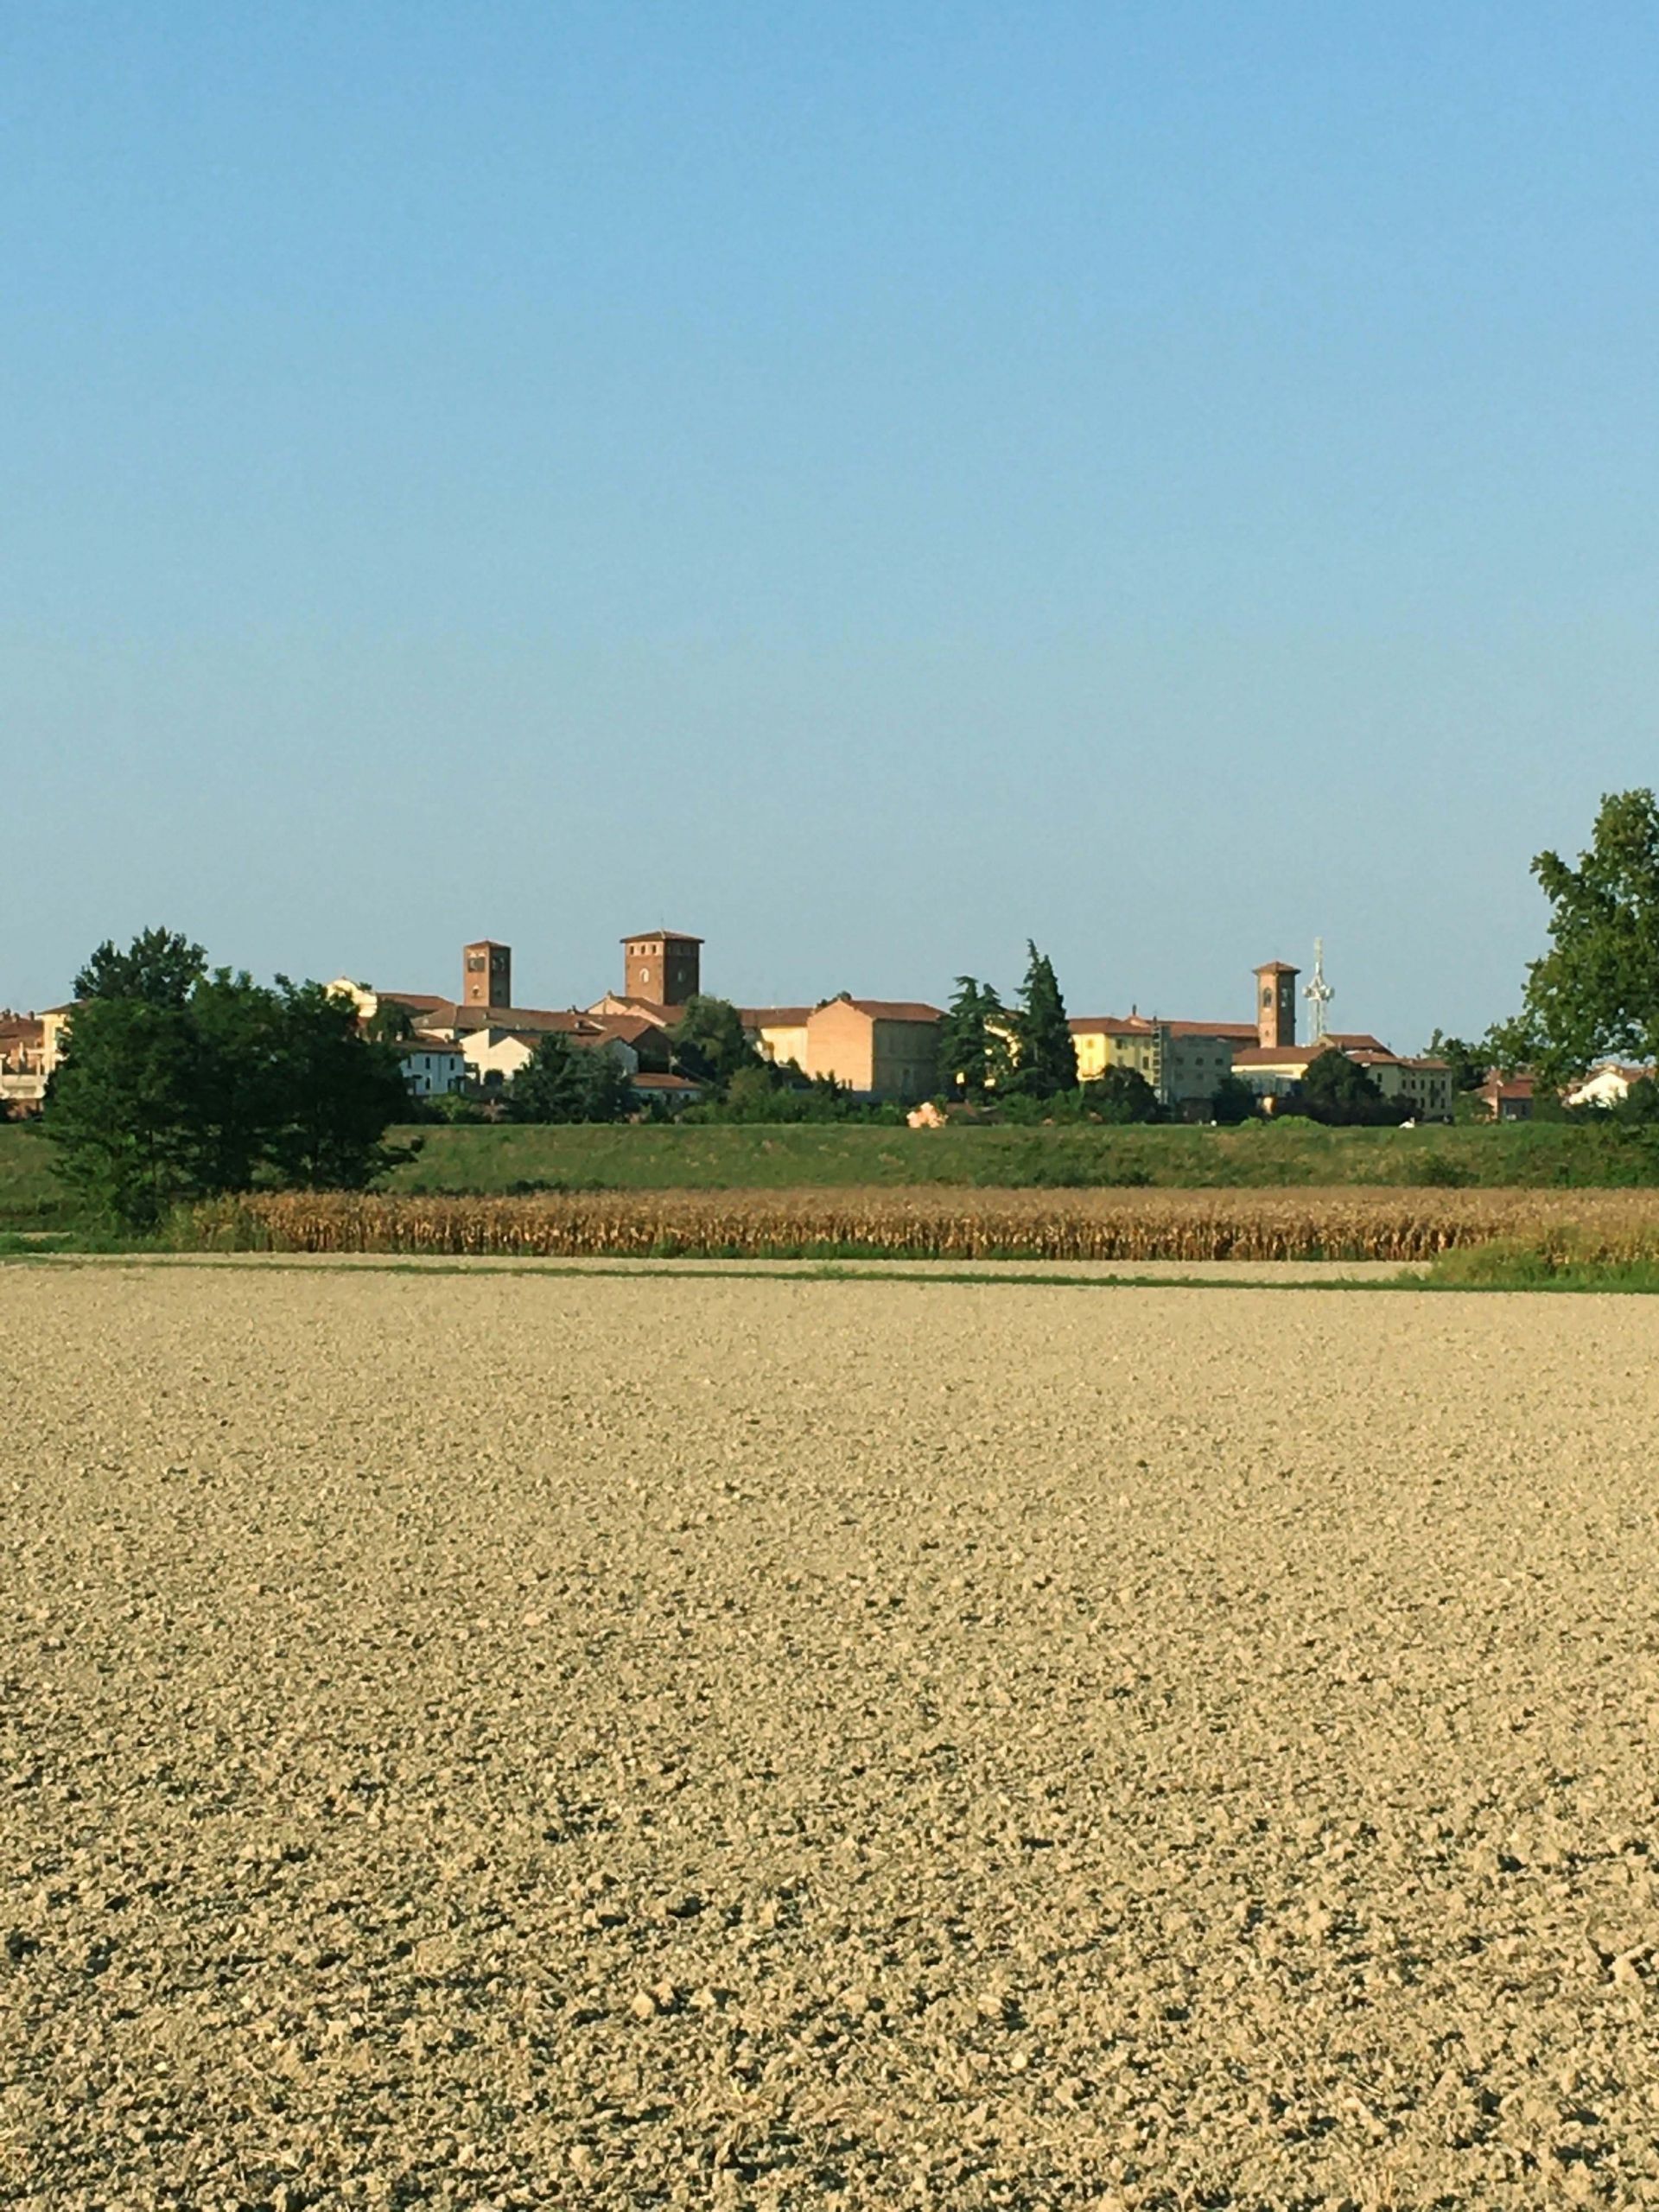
1048,1058
964,1054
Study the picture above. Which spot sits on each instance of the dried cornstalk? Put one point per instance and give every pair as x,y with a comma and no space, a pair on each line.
934,1224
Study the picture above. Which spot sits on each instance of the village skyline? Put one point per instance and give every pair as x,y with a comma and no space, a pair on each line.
586,978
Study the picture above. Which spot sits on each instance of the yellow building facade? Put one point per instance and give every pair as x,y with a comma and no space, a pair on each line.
1183,1061
777,1033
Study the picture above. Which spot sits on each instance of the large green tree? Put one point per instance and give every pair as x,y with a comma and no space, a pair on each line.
392,1022
123,1109
335,1094
172,1089
1123,1094
1337,1090
549,1087
1595,993
160,967
608,1088
1233,1101
562,1081
709,1043
1047,1059
974,1055
241,1083
1467,1062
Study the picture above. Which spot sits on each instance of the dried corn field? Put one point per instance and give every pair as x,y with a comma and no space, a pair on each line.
1125,1225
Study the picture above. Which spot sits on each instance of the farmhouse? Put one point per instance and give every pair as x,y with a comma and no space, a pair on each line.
432,1067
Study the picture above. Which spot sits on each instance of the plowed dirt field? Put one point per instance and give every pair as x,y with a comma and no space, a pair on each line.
620,1742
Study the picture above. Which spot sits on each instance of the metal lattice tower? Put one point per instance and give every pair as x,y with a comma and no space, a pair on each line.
1318,993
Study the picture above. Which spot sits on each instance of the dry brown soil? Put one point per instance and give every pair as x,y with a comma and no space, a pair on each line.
619,1742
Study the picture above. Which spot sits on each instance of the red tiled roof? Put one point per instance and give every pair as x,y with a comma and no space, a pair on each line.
650,1011
530,1023
1139,1025
1277,1056
888,1010
664,1082
663,936
630,1027
773,1017
447,1014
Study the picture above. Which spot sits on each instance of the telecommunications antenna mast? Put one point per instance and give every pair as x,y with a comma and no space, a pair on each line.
1318,993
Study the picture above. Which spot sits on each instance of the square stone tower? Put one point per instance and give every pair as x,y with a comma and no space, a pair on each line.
1276,1004
486,974
662,967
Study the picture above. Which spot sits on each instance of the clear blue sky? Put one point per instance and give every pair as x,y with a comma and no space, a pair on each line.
866,483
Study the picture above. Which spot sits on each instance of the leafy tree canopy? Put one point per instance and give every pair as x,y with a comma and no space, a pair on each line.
1123,1095
161,967
1337,1090
123,1107
391,1023
162,1098
1595,993
336,1093
1467,1062
768,1093
1639,1107
974,1047
610,1089
1233,1101
562,1081
550,1085
709,1044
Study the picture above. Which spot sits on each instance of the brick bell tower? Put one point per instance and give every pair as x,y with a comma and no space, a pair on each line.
662,967
1275,1005
486,974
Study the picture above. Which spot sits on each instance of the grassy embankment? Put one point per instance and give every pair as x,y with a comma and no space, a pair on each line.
1426,1180
1288,1156
1285,1155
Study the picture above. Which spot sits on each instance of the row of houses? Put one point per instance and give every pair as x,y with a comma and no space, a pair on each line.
1514,1097
879,1049
453,1046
